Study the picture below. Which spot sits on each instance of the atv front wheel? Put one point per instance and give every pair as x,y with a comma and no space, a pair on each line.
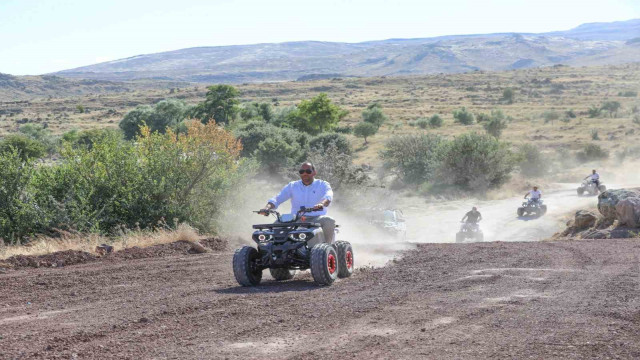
345,259
324,264
520,212
580,191
459,237
282,274
543,209
245,269
602,188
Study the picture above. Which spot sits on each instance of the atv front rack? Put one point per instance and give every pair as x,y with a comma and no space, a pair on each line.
285,225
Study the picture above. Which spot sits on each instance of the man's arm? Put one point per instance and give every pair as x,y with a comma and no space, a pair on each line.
283,195
465,215
525,195
327,197
480,216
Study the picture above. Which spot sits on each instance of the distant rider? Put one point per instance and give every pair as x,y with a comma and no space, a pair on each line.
308,192
535,194
472,217
595,177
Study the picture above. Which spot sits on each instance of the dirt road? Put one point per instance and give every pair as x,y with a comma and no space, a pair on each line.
519,300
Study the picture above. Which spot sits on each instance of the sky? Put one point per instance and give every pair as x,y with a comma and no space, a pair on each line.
43,36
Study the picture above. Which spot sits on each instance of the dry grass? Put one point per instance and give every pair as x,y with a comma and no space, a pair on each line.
87,242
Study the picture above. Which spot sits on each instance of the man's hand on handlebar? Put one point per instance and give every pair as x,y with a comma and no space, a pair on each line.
318,207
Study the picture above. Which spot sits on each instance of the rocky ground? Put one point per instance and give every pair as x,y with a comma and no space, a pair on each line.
560,299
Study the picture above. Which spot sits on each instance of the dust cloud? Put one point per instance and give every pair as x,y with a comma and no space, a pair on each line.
433,222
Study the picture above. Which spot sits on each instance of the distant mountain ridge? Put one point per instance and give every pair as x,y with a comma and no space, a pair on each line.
587,44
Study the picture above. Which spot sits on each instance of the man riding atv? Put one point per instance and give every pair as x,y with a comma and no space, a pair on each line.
470,227
472,217
536,195
594,177
308,192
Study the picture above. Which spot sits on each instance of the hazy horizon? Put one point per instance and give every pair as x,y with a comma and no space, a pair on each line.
42,36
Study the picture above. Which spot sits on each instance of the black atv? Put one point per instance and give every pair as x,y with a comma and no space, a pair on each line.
469,231
532,207
283,249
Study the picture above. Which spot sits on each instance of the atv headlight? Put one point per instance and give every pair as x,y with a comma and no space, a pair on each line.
302,236
262,237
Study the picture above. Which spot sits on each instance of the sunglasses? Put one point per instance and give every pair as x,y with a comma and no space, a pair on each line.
302,171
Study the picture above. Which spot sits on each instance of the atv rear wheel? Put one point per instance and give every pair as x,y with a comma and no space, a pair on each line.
345,258
520,211
459,237
324,264
543,209
245,269
580,191
282,274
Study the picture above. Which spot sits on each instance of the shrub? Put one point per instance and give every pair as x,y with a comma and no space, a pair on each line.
336,167
496,123
255,110
343,129
282,147
594,111
26,147
165,114
19,214
531,161
570,114
221,105
365,130
413,158
422,123
594,134
481,117
591,152
476,162
636,119
374,115
435,121
463,116
611,107
550,116
628,93
324,141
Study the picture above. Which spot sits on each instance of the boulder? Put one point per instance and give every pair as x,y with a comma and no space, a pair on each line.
622,205
584,219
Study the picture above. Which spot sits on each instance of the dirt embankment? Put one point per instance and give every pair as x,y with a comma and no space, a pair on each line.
563,299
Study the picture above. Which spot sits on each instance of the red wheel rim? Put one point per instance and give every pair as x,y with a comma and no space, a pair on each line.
331,263
349,257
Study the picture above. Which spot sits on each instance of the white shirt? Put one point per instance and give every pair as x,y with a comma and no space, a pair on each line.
535,194
304,195
595,176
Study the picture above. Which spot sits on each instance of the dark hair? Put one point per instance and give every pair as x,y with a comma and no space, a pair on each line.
310,164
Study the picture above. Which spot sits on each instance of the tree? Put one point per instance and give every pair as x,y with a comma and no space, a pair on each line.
364,130
374,115
316,115
611,107
463,116
221,105
324,141
507,96
496,123
413,158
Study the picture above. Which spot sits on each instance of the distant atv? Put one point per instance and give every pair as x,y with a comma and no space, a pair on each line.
530,207
469,231
282,248
391,222
589,186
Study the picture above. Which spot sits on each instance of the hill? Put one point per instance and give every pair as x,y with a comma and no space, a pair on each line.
587,44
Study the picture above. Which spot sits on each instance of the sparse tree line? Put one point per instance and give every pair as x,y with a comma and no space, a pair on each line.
174,162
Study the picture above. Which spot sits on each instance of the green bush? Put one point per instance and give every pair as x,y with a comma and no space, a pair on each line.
550,116
611,107
496,123
413,158
482,117
165,114
26,147
476,162
435,121
255,110
343,129
20,215
591,152
463,116
324,141
422,123
628,93
220,105
507,96
594,111
531,161
282,147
